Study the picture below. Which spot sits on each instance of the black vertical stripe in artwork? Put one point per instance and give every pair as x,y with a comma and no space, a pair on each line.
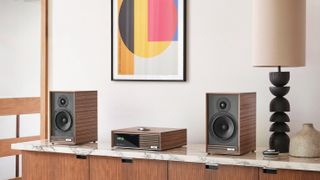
126,23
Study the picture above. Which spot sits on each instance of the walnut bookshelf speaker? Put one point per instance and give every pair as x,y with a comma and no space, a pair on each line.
231,123
73,117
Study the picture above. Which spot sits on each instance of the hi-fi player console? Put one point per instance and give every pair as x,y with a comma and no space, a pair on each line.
149,138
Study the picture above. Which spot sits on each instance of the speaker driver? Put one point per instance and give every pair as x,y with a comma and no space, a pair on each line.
63,121
223,127
223,104
63,101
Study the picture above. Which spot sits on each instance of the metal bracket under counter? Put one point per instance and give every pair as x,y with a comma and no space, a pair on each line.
268,170
212,166
127,160
81,157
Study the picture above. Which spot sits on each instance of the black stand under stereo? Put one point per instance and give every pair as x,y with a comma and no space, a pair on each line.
279,105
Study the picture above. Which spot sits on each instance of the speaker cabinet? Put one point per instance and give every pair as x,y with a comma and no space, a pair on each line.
231,123
73,117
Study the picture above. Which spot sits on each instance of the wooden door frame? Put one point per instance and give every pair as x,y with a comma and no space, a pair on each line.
44,94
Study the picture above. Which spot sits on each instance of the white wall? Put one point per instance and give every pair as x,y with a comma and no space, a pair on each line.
219,59
19,67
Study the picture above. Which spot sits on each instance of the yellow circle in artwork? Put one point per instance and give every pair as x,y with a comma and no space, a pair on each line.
142,46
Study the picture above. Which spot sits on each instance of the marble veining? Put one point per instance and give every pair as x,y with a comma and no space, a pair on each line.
191,153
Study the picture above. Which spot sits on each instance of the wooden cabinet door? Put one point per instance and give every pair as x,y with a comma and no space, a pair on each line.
53,166
108,168
149,169
105,168
192,171
288,174
231,173
186,171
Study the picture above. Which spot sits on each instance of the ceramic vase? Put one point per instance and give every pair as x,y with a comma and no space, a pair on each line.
306,143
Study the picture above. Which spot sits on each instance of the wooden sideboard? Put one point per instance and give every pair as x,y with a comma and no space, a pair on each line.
53,166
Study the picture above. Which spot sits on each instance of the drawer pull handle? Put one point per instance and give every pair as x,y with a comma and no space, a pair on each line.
212,167
126,160
269,171
81,157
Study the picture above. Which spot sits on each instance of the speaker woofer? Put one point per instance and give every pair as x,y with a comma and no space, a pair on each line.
223,126
63,121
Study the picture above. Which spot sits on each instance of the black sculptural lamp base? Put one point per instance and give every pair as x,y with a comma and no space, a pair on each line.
279,105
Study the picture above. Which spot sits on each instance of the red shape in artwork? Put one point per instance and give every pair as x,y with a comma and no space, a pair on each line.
162,20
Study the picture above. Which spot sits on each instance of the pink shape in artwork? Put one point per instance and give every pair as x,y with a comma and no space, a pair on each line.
162,20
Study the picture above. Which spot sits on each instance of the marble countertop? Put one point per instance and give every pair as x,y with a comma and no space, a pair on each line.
191,153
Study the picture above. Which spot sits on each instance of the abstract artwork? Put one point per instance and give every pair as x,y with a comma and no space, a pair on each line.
148,40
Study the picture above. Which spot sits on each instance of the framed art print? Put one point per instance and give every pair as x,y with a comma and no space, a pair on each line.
149,40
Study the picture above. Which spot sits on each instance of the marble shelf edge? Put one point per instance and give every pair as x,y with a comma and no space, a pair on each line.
194,153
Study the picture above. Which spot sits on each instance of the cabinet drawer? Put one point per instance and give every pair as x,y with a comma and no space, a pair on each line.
225,172
186,171
108,168
53,166
267,174
198,171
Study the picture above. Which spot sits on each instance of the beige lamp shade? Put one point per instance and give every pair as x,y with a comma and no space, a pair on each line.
279,33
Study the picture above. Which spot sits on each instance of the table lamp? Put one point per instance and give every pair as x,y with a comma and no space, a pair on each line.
279,41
